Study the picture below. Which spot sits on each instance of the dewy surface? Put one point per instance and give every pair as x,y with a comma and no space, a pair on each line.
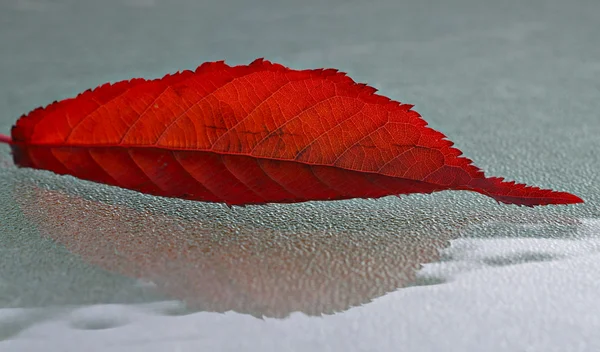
513,84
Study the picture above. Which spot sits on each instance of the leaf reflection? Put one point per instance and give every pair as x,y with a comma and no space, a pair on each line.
258,268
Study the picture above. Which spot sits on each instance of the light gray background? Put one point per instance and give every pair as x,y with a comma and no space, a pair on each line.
515,84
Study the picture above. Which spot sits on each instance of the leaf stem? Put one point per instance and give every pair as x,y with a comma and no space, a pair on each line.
5,139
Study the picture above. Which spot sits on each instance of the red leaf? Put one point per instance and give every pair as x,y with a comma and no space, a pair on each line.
253,134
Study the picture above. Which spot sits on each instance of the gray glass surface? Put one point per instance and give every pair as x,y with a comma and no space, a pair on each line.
514,84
